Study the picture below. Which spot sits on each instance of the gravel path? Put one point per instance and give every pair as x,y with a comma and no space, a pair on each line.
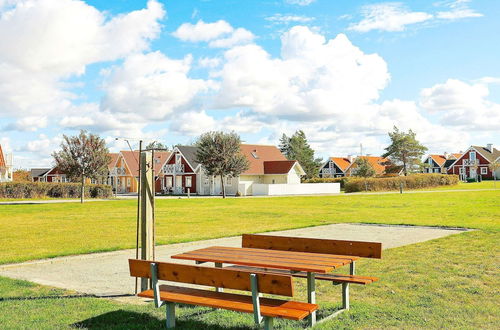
107,273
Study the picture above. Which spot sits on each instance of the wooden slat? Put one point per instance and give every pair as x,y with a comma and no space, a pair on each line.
313,245
257,261
217,277
340,278
241,303
283,254
266,258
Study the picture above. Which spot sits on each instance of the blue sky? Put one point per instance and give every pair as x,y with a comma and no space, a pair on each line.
343,71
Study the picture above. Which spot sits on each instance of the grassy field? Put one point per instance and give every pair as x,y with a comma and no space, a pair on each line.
49,230
450,282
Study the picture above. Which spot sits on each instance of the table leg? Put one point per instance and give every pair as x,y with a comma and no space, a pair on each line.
218,265
311,296
345,288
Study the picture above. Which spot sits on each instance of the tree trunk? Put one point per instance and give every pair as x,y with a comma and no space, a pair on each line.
222,185
83,189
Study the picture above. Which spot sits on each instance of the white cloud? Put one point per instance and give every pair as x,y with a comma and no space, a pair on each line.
202,31
300,2
192,123
280,18
27,124
458,103
44,42
388,16
313,78
209,62
238,37
458,9
43,145
151,87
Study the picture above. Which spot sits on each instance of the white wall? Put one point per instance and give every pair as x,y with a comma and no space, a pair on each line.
259,189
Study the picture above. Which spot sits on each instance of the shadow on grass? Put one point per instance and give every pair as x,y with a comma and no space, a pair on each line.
122,319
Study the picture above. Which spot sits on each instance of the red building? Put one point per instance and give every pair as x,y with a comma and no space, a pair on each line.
474,163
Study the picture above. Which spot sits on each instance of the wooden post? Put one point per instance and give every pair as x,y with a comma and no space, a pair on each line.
146,210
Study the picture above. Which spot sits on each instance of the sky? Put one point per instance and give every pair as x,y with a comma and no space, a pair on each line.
345,72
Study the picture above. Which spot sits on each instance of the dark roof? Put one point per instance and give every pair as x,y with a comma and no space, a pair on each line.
278,166
490,156
448,163
189,153
37,172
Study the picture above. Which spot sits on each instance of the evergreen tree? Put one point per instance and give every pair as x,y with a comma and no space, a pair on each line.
157,146
364,168
405,150
297,148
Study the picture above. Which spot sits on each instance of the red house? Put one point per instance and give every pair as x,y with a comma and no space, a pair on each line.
474,163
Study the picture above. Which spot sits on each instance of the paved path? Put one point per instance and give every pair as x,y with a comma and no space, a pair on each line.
51,201
107,273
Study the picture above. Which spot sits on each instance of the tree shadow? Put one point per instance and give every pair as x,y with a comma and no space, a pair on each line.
123,319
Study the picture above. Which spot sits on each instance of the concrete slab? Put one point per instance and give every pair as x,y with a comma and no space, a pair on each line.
108,274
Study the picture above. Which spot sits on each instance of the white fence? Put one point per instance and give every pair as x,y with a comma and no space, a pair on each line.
259,189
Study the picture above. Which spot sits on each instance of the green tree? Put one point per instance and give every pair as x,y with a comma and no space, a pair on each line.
220,155
84,156
404,150
363,168
157,145
297,148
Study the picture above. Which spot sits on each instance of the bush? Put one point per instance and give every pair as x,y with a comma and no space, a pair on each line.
415,181
341,180
471,180
53,190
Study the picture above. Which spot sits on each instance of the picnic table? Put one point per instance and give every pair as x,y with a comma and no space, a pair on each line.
291,262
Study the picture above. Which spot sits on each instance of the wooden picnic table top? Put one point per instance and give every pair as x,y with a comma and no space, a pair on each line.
296,261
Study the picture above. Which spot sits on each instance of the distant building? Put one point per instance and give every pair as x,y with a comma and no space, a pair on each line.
474,163
335,167
5,166
439,163
381,165
48,175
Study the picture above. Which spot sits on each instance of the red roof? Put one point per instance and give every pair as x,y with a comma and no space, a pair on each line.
257,155
112,162
2,159
379,164
342,162
439,159
278,166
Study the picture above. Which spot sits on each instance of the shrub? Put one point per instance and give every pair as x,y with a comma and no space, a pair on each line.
341,180
415,181
52,189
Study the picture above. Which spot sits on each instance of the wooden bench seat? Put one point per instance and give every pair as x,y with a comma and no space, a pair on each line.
338,278
291,310
263,309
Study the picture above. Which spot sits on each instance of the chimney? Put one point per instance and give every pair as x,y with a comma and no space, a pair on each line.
446,155
489,146
351,158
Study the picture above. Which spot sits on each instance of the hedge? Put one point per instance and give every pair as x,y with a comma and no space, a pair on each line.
415,181
341,180
53,190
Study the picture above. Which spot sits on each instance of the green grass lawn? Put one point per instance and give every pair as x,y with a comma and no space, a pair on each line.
450,282
49,230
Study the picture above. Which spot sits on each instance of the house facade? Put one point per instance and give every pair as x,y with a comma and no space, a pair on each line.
335,167
124,170
474,163
439,163
48,175
5,166
182,173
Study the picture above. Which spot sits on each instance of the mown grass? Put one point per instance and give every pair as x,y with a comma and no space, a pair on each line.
450,282
49,230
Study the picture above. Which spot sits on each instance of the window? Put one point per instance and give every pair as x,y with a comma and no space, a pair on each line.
254,154
177,159
436,170
128,182
484,170
229,181
462,170
207,181
188,182
472,156
274,181
168,181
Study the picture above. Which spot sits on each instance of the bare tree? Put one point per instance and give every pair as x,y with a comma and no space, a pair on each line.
83,156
